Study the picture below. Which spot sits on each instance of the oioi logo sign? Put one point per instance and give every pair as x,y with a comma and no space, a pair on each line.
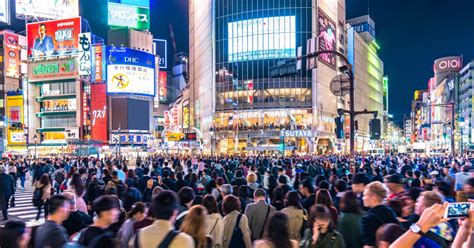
122,15
448,64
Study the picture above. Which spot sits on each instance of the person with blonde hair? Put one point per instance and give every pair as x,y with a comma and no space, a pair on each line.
194,225
375,193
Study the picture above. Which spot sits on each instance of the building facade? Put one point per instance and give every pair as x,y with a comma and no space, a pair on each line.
244,102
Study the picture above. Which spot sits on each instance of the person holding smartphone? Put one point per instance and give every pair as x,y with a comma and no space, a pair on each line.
321,232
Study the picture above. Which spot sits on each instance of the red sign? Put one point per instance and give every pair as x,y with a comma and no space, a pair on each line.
98,63
53,38
85,108
162,81
99,112
167,119
12,56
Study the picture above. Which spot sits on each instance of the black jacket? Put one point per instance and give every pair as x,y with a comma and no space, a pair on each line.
373,219
7,185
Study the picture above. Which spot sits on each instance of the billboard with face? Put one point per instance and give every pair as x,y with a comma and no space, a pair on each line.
326,38
53,38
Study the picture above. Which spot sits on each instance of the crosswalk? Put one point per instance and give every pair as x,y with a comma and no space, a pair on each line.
24,209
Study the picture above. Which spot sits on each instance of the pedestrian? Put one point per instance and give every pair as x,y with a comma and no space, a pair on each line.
41,195
214,221
7,187
276,233
77,186
387,234
15,234
297,215
52,234
77,219
323,197
164,209
321,232
97,235
349,220
138,213
375,193
194,224
236,229
22,173
186,198
257,213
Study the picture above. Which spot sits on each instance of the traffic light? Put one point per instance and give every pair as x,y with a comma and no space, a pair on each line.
339,127
375,129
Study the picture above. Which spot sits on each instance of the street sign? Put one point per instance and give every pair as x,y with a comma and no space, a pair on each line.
174,136
340,85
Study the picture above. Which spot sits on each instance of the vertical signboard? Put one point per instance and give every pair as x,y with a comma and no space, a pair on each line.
160,49
98,112
167,120
98,55
186,114
11,55
162,84
326,38
84,56
14,116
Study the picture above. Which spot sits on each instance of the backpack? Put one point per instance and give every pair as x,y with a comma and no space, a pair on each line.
59,177
237,240
37,195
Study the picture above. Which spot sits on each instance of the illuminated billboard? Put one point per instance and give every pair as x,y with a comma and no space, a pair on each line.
99,112
162,84
262,38
326,38
142,3
122,15
130,72
47,9
53,38
52,70
12,55
15,118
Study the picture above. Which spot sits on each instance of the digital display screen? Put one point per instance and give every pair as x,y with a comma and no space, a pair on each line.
49,9
262,38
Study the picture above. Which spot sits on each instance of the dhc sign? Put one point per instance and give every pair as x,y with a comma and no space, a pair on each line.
296,133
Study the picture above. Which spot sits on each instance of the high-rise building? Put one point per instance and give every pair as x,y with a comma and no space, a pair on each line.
371,88
250,96
465,108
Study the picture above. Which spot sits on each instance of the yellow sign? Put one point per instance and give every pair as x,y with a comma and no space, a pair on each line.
174,136
120,80
14,112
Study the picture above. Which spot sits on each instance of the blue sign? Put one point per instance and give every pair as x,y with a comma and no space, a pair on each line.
160,49
365,27
141,3
130,71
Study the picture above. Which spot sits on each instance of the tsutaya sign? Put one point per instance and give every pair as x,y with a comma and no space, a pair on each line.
296,133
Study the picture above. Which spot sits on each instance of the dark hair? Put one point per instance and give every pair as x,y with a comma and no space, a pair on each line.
210,203
340,185
42,25
56,202
11,234
44,179
321,212
348,203
389,233
259,193
307,184
323,185
397,206
276,230
239,173
138,207
186,195
230,203
323,197
78,184
244,191
104,203
164,205
443,187
293,198
278,195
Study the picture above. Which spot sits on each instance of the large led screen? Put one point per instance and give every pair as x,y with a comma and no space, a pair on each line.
130,72
262,38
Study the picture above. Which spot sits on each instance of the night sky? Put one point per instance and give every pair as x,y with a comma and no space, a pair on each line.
411,34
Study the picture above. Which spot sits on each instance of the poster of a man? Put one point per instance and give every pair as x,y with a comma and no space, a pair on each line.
43,46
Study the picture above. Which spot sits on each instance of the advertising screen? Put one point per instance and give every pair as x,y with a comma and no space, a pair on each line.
98,112
162,81
326,38
122,15
14,115
142,3
5,11
262,38
52,70
130,72
48,9
53,38
12,55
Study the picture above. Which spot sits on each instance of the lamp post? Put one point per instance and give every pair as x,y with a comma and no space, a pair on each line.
35,137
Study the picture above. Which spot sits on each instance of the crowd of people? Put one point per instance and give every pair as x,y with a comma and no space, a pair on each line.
248,201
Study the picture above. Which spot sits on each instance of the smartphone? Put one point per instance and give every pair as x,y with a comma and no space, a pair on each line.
457,210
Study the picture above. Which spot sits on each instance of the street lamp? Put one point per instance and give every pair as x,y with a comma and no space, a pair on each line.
34,138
